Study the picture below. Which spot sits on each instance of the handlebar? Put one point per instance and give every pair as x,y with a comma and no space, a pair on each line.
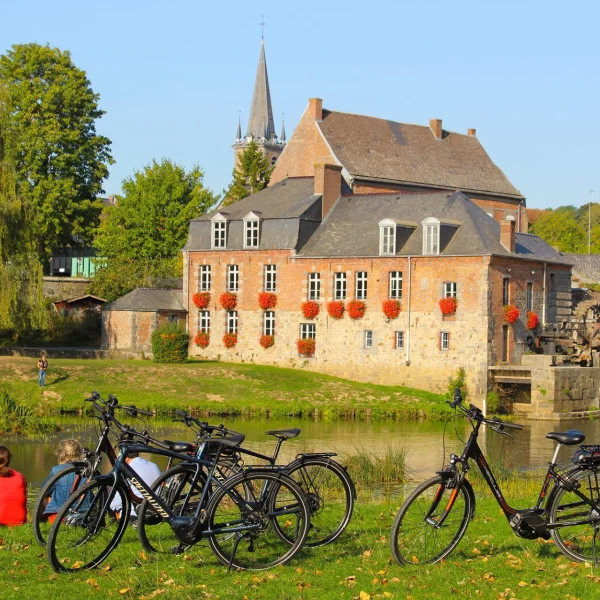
476,414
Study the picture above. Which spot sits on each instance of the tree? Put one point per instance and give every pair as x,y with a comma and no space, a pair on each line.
562,228
60,161
252,174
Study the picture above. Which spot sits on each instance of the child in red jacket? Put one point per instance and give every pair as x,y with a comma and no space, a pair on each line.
13,492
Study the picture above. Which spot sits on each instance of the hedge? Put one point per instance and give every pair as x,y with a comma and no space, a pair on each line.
170,344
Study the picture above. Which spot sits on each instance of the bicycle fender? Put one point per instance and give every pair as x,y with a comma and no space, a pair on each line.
300,460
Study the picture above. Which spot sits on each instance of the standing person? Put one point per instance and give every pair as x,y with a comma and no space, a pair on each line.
42,366
13,492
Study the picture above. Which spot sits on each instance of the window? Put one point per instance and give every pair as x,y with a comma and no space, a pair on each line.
399,342
504,343
444,340
204,321
308,331
269,323
219,231
395,285
552,282
314,286
361,285
172,318
205,278
387,237
339,292
270,279
251,231
450,289
505,294
431,236
232,321
368,339
233,278
529,296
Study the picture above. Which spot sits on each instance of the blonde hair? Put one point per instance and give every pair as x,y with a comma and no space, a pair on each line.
68,451
5,457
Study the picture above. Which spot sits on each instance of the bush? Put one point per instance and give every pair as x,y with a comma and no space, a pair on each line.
493,403
18,417
458,381
170,344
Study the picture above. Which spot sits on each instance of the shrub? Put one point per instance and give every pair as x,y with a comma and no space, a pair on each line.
267,300
24,419
335,309
391,308
306,347
170,344
532,320
448,305
266,341
511,313
228,301
356,309
310,309
458,381
202,339
493,404
230,340
201,299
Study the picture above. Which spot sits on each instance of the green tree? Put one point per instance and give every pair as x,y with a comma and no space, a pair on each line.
252,174
562,228
60,159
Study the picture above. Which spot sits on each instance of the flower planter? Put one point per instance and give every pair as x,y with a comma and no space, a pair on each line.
511,313
532,320
391,309
356,309
202,339
228,301
201,299
310,309
230,340
267,300
335,309
266,341
306,347
448,305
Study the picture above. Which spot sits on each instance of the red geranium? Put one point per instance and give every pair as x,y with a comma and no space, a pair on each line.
511,313
266,341
201,299
532,320
267,300
202,339
306,347
228,301
310,309
230,340
335,309
356,309
391,308
448,305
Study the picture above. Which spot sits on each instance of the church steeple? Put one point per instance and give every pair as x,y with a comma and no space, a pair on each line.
260,123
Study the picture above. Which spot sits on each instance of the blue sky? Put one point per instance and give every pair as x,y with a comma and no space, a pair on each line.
173,76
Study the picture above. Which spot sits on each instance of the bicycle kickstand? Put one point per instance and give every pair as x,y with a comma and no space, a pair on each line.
235,547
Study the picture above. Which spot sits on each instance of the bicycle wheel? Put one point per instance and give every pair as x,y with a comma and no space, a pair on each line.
241,517
330,496
86,529
416,539
578,541
181,490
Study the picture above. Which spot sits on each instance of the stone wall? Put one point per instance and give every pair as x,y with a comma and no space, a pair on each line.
61,288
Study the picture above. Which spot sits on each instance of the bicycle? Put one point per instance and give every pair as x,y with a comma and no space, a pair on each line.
236,517
435,516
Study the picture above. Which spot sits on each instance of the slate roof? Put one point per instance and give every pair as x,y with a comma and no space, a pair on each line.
469,230
586,267
260,122
385,151
149,300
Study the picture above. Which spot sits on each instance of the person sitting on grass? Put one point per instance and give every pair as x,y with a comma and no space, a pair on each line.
13,492
68,451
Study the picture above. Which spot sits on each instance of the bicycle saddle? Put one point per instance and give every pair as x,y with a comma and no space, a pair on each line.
231,440
182,447
568,438
284,434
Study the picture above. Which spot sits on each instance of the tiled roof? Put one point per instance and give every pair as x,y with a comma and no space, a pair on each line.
385,151
586,267
149,300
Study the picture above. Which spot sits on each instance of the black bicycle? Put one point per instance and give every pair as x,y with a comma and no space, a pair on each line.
434,518
241,517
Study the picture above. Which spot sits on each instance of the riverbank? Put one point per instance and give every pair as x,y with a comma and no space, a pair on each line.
214,389
490,562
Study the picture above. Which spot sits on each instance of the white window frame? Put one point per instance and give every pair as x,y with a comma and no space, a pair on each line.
231,325
219,232
251,230
269,322
308,331
233,278
450,289
395,288
387,237
205,278
368,339
340,285
270,278
431,236
361,287
445,341
314,286
399,340
204,321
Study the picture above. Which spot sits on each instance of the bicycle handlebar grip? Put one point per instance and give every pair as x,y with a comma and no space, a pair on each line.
512,426
148,413
181,413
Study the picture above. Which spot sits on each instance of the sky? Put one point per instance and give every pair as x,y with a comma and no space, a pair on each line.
173,76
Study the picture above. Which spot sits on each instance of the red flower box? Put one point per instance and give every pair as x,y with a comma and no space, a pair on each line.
228,300
335,309
356,309
306,347
532,320
448,305
230,340
310,309
202,339
391,309
201,299
267,300
266,341
511,313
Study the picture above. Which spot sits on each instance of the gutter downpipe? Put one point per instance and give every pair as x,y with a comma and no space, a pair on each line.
408,311
545,299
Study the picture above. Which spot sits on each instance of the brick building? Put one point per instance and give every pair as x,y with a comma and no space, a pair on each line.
312,238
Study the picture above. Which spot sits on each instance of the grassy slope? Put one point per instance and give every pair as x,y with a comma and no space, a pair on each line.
490,562
215,388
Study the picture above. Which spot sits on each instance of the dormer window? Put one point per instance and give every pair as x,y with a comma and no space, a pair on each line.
251,230
387,237
219,231
431,236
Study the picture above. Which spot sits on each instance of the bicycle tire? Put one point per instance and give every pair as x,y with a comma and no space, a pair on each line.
72,546
576,542
274,496
410,528
330,495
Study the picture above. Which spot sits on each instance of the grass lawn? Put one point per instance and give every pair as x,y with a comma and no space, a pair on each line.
490,562
212,388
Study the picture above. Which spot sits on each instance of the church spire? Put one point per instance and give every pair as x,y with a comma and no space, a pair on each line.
282,139
238,134
260,124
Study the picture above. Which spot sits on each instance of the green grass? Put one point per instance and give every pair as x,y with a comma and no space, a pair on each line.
490,562
214,388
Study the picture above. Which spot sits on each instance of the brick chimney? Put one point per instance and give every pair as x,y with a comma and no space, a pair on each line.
436,128
472,132
507,234
315,108
328,183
